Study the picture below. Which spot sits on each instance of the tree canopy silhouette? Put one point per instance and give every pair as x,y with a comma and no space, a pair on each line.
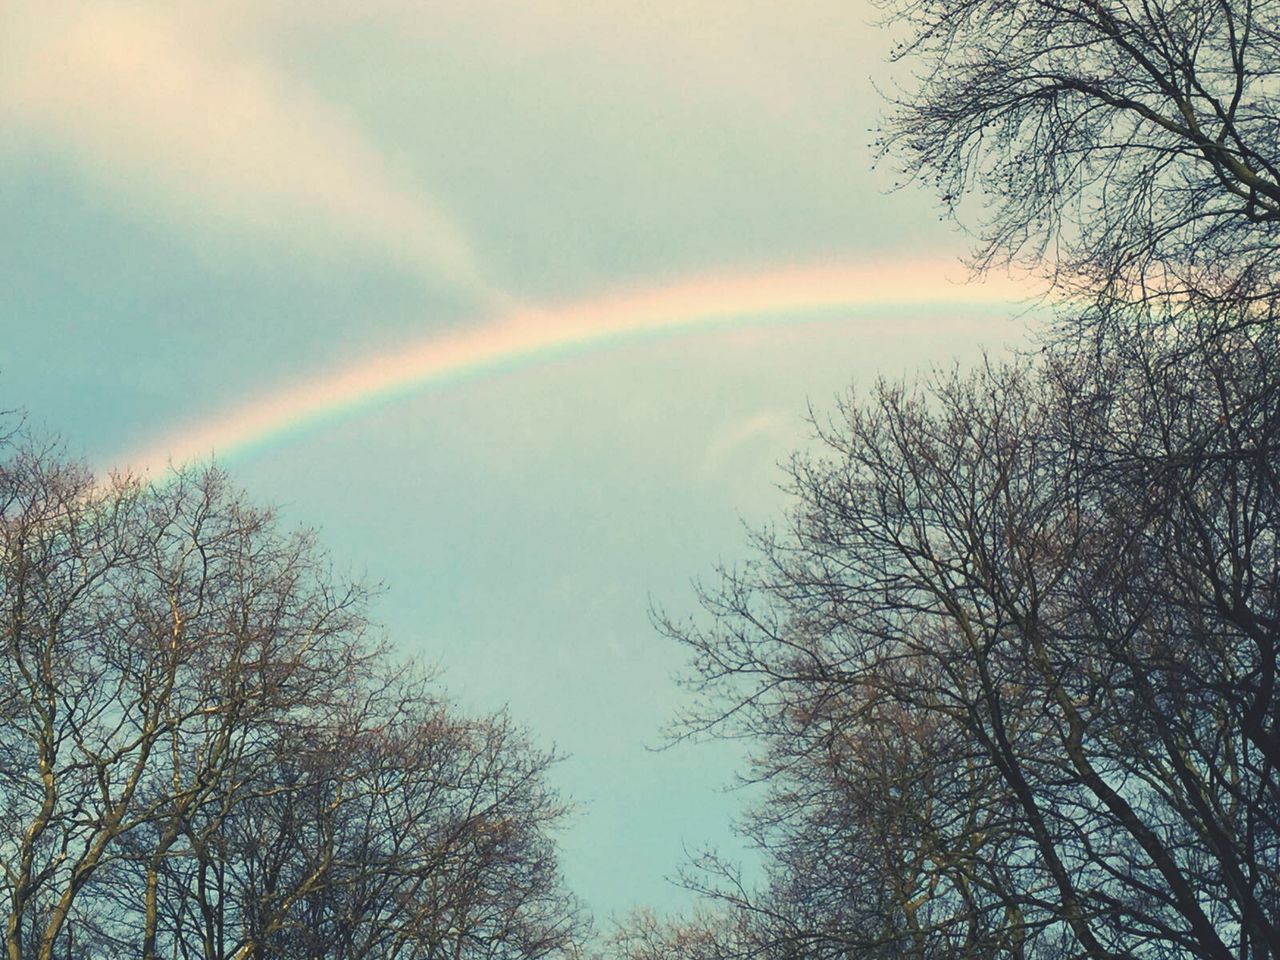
1131,150
206,752
1011,666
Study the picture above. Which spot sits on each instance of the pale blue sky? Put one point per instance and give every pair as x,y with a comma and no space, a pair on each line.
202,202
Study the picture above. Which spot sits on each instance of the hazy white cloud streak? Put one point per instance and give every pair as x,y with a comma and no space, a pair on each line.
740,434
150,101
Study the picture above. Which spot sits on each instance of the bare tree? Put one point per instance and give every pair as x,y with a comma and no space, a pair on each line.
205,751
423,836
1132,150
1012,667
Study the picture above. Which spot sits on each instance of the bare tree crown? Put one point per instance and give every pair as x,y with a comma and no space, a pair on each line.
206,752
1126,148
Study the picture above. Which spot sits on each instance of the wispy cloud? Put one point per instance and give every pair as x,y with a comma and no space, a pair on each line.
763,425
160,105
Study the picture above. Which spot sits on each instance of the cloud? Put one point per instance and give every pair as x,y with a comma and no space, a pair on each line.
765,425
151,103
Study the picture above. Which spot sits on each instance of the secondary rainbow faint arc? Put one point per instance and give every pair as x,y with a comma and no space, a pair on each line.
523,336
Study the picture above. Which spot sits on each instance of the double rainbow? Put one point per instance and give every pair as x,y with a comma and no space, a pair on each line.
523,337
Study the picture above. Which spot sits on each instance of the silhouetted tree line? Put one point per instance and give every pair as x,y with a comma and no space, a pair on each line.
205,752
1011,663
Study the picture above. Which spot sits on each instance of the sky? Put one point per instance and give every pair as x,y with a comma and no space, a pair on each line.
521,305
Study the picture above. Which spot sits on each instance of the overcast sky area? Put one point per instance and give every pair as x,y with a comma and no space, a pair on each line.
205,204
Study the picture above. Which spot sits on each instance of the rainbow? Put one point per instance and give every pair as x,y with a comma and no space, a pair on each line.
526,336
